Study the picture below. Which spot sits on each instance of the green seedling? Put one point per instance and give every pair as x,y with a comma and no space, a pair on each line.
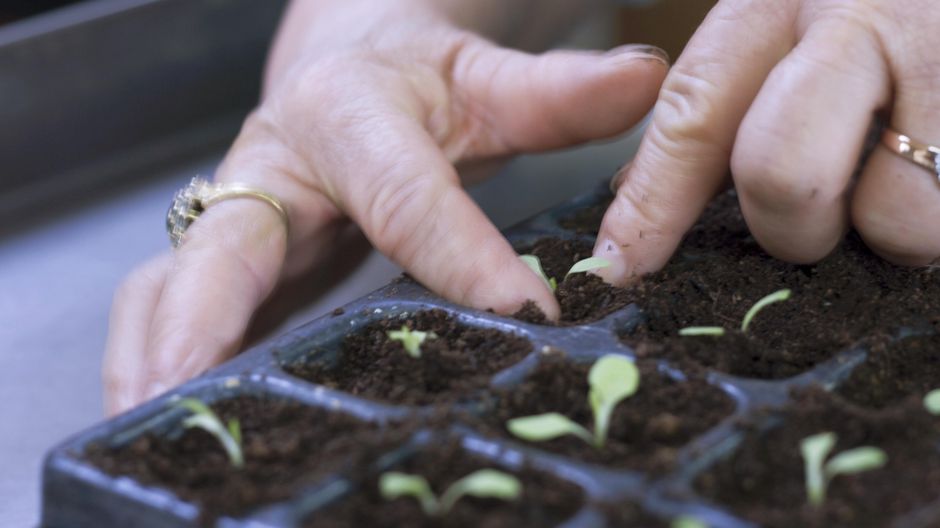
687,521
718,331
612,379
484,484
932,402
411,339
581,266
229,435
819,472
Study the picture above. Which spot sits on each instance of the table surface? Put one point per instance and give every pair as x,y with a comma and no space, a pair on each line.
59,275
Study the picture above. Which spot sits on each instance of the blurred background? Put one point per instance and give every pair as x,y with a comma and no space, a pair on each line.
108,107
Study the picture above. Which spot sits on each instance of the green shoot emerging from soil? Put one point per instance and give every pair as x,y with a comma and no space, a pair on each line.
819,473
687,521
932,402
411,339
613,378
229,435
718,331
581,266
484,484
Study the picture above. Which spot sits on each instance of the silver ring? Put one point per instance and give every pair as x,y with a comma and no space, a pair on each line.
927,156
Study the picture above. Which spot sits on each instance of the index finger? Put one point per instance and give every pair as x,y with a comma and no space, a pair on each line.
684,156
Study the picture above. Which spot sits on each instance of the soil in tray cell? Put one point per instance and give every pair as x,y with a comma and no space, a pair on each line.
895,371
763,481
458,361
585,221
286,446
544,501
720,272
646,429
583,297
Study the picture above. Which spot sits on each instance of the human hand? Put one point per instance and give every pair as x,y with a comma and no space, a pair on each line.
367,108
785,92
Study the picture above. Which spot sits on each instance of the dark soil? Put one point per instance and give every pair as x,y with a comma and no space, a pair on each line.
646,429
286,446
585,221
893,372
764,480
455,364
629,515
720,272
545,500
583,297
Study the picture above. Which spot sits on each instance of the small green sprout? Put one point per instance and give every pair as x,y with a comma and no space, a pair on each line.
484,484
612,378
819,473
687,521
932,402
411,339
717,331
229,435
581,266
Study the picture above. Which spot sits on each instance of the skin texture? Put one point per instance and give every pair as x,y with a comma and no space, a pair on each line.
369,105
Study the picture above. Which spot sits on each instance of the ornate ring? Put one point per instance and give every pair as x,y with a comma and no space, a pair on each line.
927,156
190,202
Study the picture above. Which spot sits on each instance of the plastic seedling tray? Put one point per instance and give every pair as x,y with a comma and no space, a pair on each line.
77,493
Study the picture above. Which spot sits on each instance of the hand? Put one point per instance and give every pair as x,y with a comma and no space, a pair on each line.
367,108
785,91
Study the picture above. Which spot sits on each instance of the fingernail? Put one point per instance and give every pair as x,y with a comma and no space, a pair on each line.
611,251
631,52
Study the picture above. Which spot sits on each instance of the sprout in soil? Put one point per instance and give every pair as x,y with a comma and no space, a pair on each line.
411,339
819,473
581,266
229,435
932,402
687,521
612,379
717,331
484,484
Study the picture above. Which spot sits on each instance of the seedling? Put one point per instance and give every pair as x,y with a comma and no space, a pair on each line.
819,473
484,484
411,339
717,331
687,521
581,266
612,378
229,435
932,402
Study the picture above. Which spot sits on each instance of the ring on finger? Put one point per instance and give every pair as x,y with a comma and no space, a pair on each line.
919,153
192,200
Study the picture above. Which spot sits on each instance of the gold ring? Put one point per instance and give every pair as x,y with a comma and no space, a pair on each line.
192,200
927,156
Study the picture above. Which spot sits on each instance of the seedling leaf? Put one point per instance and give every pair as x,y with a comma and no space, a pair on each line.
535,265
204,418
932,402
856,460
774,297
394,484
815,449
588,264
688,331
687,521
548,426
612,379
410,339
484,484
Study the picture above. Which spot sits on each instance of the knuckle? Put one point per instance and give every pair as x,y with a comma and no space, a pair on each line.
396,214
685,114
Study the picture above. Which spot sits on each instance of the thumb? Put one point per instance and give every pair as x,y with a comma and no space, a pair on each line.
557,99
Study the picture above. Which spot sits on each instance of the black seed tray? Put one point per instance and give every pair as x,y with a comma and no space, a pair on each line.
76,494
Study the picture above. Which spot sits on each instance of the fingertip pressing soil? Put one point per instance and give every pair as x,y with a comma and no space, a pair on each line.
583,297
720,272
895,371
286,446
646,430
453,365
763,481
545,501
